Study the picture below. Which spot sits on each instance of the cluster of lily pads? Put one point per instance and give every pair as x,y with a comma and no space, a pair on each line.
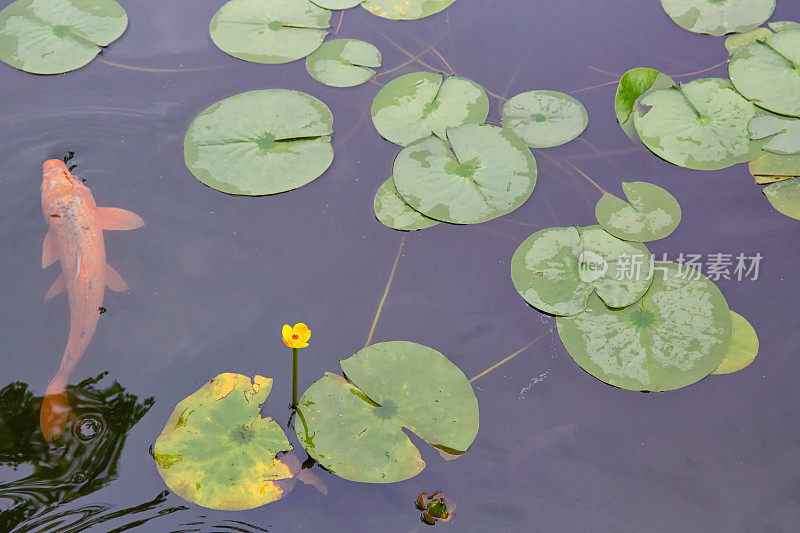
453,167
217,449
714,123
626,319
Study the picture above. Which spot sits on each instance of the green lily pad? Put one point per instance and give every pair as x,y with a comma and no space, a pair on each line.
702,125
771,167
405,9
545,118
768,73
734,43
718,17
394,212
355,428
55,36
652,213
269,31
743,347
488,173
785,197
343,62
783,133
337,4
782,25
416,105
675,335
217,451
260,142
633,86
557,269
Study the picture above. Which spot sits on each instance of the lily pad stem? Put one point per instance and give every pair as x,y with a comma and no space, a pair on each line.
294,378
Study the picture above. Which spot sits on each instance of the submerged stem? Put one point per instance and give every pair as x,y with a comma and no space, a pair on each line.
508,358
386,290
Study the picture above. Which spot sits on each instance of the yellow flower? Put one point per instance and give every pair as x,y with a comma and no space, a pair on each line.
297,336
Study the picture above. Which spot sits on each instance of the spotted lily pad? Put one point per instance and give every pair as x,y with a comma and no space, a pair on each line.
771,167
488,173
557,269
702,125
394,212
260,142
785,197
337,4
652,213
634,85
675,335
743,347
343,62
783,133
269,31
768,73
405,9
416,105
355,428
736,42
54,36
718,17
217,451
545,118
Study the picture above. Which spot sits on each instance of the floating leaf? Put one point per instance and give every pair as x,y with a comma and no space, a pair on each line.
54,36
343,62
633,86
743,347
488,173
718,17
337,4
767,72
217,451
545,118
394,212
260,142
416,105
773,167
734,43
785,197
354,429
702,125
269,31
652,213
675,335
557,269
783,25
783,133
405,9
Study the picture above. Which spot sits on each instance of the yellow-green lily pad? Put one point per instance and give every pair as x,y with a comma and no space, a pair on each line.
743,347
405,9
785,197
634,85
770,167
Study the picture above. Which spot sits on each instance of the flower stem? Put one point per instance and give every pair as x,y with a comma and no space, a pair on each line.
294,378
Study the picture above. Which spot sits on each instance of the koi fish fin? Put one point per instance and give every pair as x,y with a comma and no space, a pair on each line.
115,218
49,250
58,286
114,280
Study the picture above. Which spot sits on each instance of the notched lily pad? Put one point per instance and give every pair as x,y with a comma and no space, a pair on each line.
634,85
718,17
770,167
734,43
260,142
544,118
405,9
392,211
55,36
651,213
782,133
419,104
217,451
743,347
343,62
355,428
269,31
675,335
785,197
557,269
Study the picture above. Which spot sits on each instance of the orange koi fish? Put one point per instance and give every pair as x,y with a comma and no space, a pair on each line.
75,239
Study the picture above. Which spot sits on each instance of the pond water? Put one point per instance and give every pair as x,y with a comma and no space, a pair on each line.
213,277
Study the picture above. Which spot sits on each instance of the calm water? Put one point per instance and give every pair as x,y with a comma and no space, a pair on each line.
213,277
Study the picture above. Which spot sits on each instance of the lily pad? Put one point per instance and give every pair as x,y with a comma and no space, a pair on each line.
768,73
260,142
783,133
557,269
736,42
488,173
782,25
405,9
269,31
675,335
545,118
743,347
771,167
785,197
702,125
355,428
718,17
633,86
55,36
337,4
217,451
652,213
419,104
394,212
343,62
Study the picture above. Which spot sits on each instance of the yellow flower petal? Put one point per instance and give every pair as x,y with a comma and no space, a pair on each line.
302,330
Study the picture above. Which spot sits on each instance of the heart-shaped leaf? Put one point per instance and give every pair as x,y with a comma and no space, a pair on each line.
785,197
652,213
743,347
343,62
545,118
394,212
634,85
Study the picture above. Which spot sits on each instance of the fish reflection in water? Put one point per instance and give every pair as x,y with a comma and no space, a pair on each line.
550,441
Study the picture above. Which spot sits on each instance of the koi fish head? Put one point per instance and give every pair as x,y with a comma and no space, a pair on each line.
58,183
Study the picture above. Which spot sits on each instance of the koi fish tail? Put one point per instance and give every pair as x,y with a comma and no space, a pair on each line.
55,408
